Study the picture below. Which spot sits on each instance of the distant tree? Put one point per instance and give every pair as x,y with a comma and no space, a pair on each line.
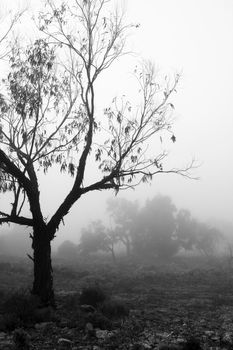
186,229
67,250
110,241
49,119
96,237
207,239
123,214
193,234
156,225
92,238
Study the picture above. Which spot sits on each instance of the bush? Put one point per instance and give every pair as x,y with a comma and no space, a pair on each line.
192,344
92,295
71,302
22,304
98,320
21,309
9,322
21,340
114,309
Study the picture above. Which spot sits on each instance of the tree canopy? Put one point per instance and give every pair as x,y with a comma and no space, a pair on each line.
49,119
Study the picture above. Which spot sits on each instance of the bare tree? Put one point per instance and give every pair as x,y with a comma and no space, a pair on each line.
48,118
7,24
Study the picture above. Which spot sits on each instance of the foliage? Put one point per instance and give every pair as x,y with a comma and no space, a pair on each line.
123,213
21,340
193,234
156,229
19,309
114,308
67,250
192,344
93,238
96,237
92,295
49,119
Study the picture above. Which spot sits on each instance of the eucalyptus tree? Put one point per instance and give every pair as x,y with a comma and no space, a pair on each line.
49,119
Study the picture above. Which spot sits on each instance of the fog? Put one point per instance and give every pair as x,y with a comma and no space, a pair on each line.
195,37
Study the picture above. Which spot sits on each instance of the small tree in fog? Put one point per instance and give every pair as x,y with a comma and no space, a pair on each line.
48,118
123,213
67,250
96,238
156,226
195,235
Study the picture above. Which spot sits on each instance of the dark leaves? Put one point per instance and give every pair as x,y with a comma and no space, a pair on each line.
173,138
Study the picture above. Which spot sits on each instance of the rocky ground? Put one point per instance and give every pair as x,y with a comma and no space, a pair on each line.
170,309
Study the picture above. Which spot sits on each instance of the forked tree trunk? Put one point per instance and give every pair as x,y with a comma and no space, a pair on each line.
43,278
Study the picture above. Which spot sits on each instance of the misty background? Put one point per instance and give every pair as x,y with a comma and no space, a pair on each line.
192,37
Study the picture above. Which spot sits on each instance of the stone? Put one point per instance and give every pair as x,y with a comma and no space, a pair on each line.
89,329
6,345
227,338
87,308
64,344
44,325
102,334
2,335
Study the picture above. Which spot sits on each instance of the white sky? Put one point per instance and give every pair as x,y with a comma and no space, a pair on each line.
195,36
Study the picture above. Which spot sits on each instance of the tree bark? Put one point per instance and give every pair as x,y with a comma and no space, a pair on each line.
43,277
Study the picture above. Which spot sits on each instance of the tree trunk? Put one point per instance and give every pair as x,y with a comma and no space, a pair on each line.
43,278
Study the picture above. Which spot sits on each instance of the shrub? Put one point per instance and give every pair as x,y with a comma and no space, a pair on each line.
21,309
71,302
22,304
9,322
192,344
92,295
114,309
98,320
21,340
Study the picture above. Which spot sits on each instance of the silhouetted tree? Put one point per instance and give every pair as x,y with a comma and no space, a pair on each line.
48,117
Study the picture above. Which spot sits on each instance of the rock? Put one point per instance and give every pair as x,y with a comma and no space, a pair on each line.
44,325
87,308
2,335
227,338
89,329
209,333
103,334
6,345
180,340
140,346
169,347
64,344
